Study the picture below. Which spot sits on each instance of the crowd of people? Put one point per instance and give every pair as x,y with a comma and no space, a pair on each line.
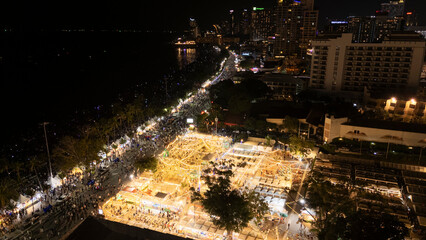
76,199
159,219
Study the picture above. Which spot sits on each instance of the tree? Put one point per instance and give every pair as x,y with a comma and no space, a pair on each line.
72,151
4,165
202,122
17,167
372,225
34,163
290,124
221,92
239,103
299,147
255,88
229,208
7,192
268,140
332,203
338,217
247,64
145,163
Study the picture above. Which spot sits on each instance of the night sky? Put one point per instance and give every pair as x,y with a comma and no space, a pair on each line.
162,14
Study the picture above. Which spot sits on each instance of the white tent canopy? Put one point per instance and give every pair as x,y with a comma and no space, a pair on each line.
23,198
54,182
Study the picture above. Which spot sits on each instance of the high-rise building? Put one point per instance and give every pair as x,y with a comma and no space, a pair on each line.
337,26
233,26
394,8
244,28
296,26
195,30
339,64
261,26
366,29
411,19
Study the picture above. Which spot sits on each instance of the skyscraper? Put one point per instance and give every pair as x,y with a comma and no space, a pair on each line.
373,28
245,22
296,26
394,8
339,64
195,31
261,24
233,26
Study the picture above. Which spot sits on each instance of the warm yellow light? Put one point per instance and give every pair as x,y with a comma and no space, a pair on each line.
413,101
393,100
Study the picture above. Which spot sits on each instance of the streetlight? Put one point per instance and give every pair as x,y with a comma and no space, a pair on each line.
216,119
48,154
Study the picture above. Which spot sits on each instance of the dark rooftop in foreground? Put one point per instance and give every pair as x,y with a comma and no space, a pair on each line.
389,125
96,228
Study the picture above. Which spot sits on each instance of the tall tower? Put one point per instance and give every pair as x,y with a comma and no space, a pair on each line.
261,24
193,25
296,24
232,22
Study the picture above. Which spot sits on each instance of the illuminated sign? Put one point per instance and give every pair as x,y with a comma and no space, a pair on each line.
339,22
258,9
189,120
255,70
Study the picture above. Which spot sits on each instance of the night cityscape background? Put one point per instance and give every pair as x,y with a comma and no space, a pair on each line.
260,119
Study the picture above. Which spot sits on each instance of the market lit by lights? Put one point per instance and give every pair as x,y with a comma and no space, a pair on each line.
150,196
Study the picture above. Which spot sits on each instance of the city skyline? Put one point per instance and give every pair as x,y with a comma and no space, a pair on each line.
174,16
243,120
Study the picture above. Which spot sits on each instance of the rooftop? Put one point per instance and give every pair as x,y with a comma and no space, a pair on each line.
389,125
95,228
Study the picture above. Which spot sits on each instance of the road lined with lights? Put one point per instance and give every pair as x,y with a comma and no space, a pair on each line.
84,200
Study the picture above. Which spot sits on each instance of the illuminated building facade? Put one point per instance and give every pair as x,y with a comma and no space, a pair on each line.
338,64
195,30
373,28
337,26
411,19
296,26
394,8
261,24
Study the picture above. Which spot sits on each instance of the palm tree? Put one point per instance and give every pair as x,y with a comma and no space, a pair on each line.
7,192
4,165
34,163
17,166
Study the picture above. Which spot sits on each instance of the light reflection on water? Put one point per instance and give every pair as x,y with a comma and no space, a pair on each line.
185,56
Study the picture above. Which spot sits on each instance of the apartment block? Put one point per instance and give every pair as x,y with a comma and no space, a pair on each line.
339,64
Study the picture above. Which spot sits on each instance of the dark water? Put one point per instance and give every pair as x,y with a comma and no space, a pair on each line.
45,76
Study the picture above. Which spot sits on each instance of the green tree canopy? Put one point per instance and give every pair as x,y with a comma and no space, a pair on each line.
337,215
290,124
255,88
72,151
145,163
7,192
247,64
300,147
221,92
239,103
229,208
